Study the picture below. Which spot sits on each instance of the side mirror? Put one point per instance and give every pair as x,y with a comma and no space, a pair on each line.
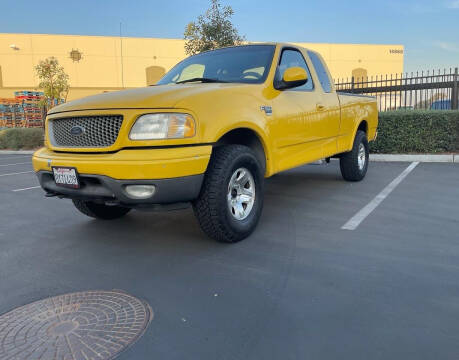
293,77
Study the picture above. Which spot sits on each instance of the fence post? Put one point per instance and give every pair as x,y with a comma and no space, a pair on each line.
352,84
454,93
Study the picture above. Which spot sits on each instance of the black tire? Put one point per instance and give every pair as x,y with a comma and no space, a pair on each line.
212,206
349,162
100,211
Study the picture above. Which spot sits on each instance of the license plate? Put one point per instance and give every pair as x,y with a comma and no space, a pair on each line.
66,176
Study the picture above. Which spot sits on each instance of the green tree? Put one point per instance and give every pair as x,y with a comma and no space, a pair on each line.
212,30
53,80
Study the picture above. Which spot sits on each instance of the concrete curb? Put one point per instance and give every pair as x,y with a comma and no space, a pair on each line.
448,158
17,152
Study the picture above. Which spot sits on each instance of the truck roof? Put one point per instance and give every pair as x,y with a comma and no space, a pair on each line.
264,43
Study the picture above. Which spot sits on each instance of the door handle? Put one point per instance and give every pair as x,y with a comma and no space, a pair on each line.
320,107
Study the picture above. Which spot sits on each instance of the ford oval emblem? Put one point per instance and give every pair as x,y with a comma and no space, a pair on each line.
77,130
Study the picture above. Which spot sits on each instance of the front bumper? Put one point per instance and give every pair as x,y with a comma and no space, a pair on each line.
105,189
177,173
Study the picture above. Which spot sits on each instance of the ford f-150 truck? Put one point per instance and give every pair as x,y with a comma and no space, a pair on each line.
206,134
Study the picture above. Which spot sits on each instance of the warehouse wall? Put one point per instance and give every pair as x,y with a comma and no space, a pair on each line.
101,61
343,59
110,63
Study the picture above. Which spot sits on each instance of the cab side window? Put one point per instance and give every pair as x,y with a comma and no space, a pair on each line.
292,58
320,71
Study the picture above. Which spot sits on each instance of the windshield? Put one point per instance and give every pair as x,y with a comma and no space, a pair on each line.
240,64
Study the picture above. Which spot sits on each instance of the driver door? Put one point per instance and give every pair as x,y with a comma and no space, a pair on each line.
294,109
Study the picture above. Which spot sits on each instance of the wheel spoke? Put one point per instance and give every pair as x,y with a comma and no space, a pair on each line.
239,210
245,198
242,178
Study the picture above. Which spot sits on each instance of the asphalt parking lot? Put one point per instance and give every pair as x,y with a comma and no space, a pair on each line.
301,287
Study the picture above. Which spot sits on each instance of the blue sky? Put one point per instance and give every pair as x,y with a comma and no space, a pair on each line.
429,29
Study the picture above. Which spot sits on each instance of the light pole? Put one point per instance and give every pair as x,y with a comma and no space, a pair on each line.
122,65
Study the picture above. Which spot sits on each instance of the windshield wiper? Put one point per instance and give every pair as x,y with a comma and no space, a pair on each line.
201,79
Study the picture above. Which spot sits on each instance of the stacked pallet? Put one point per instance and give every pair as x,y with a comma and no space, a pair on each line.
32,113
25,110
11,113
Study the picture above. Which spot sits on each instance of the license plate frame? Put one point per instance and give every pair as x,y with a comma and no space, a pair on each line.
66,173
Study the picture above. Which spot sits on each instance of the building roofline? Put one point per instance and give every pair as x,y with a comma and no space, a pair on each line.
176,39
95,36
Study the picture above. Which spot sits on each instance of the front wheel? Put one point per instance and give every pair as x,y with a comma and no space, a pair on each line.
100,211
354,164
231,199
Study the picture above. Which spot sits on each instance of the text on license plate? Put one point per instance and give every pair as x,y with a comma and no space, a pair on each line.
66,177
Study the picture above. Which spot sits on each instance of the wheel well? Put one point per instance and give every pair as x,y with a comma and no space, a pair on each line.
247,137
363,126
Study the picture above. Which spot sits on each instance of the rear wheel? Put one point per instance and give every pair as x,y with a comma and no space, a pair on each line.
100,211
354,164
231,199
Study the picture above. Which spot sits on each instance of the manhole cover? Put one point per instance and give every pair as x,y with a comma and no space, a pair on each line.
83,325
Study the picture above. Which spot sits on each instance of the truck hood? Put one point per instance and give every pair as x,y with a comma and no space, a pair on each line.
152,97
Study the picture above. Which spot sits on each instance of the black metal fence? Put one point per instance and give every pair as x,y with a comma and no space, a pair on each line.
436,90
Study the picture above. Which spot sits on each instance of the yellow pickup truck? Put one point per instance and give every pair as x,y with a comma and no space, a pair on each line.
207,133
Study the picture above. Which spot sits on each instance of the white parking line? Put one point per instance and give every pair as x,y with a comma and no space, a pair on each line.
355,221
29,188
22,172
28,162
16,157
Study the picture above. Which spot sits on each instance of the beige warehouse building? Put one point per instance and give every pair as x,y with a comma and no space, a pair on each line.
106,63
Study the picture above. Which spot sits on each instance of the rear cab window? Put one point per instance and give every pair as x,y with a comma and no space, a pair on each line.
321,71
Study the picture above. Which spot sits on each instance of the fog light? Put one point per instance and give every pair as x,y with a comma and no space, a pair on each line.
140,191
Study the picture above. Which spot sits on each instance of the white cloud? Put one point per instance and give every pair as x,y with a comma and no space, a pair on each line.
454,4
447,46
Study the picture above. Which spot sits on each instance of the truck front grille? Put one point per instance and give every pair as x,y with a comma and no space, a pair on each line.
85,131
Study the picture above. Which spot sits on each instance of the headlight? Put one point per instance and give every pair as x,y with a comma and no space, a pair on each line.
163,126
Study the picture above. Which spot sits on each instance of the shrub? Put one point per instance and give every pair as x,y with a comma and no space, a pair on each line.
21,138
406,131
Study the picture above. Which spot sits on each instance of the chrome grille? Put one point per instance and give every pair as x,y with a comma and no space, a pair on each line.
85,131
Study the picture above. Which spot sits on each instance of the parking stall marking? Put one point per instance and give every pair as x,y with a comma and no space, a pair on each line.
362,214
16,157
21,163
17,173
28,188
